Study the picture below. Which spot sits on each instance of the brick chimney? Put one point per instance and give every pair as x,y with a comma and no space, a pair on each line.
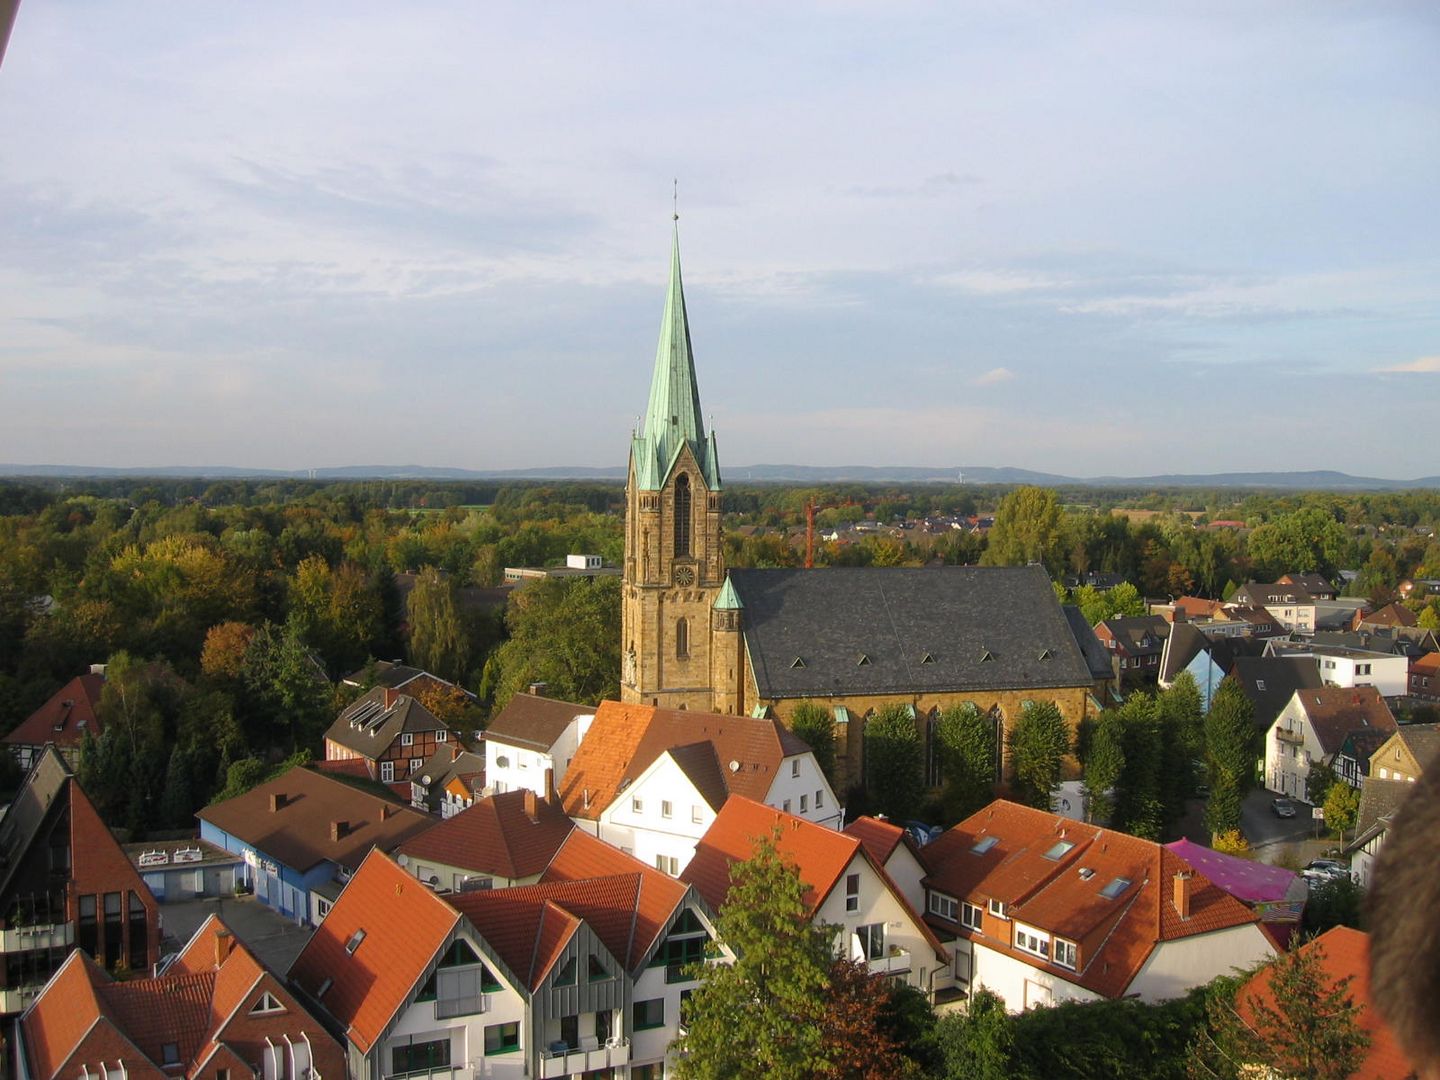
224,942
277,801
531,809
386,811
339,829
1183,884
551,796
390,697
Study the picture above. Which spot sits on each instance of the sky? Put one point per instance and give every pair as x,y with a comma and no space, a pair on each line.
1089,239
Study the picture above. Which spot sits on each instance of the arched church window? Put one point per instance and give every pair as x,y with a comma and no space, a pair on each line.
682,638
682,514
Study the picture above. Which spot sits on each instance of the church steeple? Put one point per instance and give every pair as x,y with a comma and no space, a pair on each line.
673,418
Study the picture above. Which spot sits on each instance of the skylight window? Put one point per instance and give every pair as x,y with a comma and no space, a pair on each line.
355,939
1115,888
1058,850
984,844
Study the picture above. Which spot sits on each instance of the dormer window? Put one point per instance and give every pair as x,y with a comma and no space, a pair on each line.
266,1005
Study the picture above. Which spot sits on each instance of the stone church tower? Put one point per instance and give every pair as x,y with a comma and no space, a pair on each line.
674,562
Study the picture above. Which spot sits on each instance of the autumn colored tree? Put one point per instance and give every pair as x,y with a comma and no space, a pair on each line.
438,641
223,654
857,1040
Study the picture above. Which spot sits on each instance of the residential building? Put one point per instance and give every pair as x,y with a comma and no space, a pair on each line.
1425,677
1411,750
895,850
1352,761
390,731
393,675
847,889
1317,585
65,884
1312,728
587,566
1342,666
1345,961
1380,801
1291,606
651,781
1136,642
449,782
581,973
1392,614
1041,909
1269,682
215,1011
303,834
852,639
533,735
188,869
1187,649
501,840
62,721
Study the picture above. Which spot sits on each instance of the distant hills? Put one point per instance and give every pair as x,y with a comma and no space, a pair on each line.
1319,479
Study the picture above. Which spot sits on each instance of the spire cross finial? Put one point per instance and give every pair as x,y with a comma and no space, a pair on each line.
675,201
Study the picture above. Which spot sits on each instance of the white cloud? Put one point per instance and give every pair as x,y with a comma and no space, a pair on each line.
1425,365
995,376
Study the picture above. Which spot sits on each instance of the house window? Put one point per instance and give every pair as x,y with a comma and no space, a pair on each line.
387,772
170,1054
787,806
942,905
819,799
682,639
872,940
648,1014
138,933
322,907
1031,941
795,768
267,1004
502,1038
442,736
997,908
407,739
420,1057
695,815
804,803
595,971
669,864
852,893
1065,953
415,763
637,806
114,923
666,810
970,915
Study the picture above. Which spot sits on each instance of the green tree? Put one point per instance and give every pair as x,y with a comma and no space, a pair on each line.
1104,765
564,632
1139,805
1309,539
1302,1024
894,762
1027,529
1039,742
1229,755
763,1015
1342,807
815,725
1182,741
978,1043
438,641
966,740
1336,902
1318,783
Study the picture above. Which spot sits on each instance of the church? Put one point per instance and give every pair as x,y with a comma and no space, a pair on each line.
851,639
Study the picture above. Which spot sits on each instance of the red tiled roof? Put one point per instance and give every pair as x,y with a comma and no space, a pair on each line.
496,836
171,1009
1346,953
625,739
405,925
64,718
298,833
1063,895
879,836
71,1005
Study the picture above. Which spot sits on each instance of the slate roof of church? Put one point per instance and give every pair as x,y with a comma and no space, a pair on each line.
884,630
1097,657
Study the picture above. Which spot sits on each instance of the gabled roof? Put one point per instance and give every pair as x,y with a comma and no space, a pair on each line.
43,786
932,629
625,739
1346,955
1097,659
401,925
1066,895
1271,681
1197,607
1309,581
1379,801
1257,594
532,721
1183,645
820,855
879,837
65,717
297,831
512,835
188,1007
1247,880
1138,635
376,719
1392,614
1423,742
1335,711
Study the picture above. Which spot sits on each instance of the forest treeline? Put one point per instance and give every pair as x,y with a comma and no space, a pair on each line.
229,609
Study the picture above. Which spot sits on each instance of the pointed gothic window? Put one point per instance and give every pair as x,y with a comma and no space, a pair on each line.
682,639
682,515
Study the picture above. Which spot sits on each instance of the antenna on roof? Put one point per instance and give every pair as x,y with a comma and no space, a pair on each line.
675,201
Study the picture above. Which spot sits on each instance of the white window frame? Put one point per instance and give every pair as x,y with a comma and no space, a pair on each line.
666,810
442,735
804,804
1030,940
852,893
947,907
997,908
1066,953
637,805
972,916
387,772
407,738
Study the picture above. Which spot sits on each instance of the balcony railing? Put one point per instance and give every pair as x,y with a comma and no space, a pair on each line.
894,961
1286,735
39,936
562,1059
464,1005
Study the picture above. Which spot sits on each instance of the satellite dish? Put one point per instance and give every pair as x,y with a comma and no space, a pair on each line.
734,766
426,780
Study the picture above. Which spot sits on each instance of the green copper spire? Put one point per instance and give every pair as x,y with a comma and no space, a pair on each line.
673,417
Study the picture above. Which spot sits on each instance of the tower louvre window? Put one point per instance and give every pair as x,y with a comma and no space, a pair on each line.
682,638
682,514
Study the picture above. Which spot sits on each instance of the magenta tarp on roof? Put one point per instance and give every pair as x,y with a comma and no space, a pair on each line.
1251,882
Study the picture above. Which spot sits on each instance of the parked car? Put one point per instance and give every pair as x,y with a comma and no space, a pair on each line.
1317,870
1283,808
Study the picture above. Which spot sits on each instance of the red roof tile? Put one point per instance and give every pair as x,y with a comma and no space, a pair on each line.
64,718
1346,953
496,835
404,926
1062,893
879,836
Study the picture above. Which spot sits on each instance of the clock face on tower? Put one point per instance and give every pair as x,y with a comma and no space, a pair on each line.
684,576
